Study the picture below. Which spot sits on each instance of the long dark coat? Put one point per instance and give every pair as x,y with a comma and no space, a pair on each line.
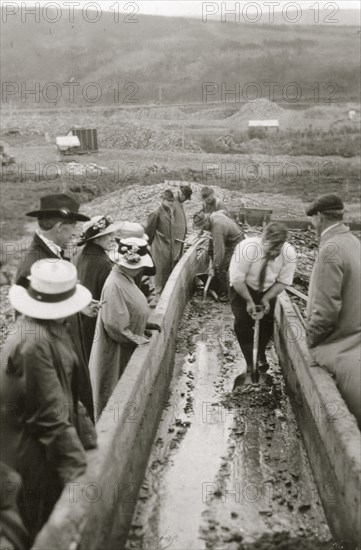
180,228
94,267
38,250
39,415
161,230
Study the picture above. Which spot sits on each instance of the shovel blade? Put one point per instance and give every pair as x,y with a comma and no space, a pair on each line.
262,379
242,380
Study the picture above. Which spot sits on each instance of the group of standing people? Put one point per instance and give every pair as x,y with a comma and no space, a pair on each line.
74,339
47,389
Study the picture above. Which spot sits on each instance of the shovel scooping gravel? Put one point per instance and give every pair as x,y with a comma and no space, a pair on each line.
255,377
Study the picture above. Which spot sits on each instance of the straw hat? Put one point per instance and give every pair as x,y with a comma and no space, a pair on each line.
132,253
53,292
98,227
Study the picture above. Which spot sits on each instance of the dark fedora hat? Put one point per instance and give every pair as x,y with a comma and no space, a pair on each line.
60,206
187,191
325,203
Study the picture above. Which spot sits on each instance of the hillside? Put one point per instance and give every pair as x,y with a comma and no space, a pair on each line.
178,55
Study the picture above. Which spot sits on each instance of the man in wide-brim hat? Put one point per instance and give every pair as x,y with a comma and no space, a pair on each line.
45,430
334,305
57,217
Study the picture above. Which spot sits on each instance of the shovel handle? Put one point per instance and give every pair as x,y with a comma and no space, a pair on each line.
255,344
207,286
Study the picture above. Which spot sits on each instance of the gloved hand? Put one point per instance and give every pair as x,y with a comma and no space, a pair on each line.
148,333
153,326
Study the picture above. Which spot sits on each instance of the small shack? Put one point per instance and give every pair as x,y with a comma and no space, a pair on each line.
5,156
68,145
88,138
256,128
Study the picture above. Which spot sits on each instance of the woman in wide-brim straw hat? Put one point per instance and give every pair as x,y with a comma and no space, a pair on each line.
46,431
94,266
122,321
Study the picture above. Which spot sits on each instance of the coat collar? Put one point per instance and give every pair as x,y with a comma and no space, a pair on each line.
38,241
339,229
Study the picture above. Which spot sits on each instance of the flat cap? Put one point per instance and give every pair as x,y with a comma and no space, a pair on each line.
187,191
324,203
199,219
206,192
168,195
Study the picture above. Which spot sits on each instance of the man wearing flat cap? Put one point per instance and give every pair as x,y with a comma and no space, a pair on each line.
334,310
57,217
160,228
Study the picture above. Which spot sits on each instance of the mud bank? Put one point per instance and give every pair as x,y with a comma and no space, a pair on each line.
227,471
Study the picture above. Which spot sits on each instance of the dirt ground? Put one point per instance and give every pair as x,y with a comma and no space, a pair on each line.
227,471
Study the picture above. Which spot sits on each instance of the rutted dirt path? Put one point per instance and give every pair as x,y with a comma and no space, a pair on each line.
226,471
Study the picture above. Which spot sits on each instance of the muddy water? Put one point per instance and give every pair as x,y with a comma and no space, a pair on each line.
227,471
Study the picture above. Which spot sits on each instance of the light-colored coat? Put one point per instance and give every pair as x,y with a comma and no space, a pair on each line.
125,307
334,312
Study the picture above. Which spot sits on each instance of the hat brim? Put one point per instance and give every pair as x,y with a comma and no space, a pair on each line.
311,211
59,214
118,259
112,228
314,209
25,304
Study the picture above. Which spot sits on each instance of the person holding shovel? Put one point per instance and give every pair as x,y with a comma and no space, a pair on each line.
260,269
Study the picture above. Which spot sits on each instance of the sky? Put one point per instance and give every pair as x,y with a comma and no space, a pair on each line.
193,8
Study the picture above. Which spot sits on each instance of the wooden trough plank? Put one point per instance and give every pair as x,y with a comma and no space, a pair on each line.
329,431
95,511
